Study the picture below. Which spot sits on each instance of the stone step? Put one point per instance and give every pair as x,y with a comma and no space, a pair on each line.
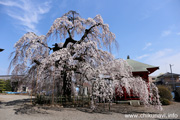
124,102
129,102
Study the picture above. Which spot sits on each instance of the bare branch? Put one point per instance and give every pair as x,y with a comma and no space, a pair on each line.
68,30
87,31
69,40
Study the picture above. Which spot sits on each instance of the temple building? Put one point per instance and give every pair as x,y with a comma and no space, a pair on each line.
138,69
141,69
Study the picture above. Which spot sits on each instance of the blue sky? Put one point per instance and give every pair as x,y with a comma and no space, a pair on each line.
147,30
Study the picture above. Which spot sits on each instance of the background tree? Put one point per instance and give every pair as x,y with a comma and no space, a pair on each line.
165,94
5,85
2,85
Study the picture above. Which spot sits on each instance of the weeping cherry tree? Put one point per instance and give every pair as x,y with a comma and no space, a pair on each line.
77,61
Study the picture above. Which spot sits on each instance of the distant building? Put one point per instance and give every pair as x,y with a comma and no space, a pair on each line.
5,77
152,79
16,82
169,79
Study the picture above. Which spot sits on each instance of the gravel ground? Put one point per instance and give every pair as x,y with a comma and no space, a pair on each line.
18,107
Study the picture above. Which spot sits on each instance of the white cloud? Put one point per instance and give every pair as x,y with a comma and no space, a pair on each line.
162,59
10,3
178,33
162,53
166,33
142,56
147,45
26,12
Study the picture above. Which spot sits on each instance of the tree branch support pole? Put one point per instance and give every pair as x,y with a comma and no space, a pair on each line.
109,106
32,89
36,81
53,87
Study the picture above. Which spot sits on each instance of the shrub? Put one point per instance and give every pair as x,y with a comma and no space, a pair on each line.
164,92
2,85
177,94
41,99
5,85
8,85
165,101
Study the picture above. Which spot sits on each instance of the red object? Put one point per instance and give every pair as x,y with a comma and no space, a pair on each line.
144,75
125,96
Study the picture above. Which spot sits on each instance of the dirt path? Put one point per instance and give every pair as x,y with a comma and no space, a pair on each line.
18,107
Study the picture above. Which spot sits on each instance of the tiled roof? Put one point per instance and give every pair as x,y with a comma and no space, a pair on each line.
138,66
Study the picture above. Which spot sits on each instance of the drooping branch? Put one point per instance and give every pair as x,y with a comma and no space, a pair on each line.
71,15
68,30
87,31
44,45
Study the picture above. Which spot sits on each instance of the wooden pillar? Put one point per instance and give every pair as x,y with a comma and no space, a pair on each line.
53,87
32,88
36,81
125,94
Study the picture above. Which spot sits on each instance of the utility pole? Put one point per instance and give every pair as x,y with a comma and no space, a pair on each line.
172,78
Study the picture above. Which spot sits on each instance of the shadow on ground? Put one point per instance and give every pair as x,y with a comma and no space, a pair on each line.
29,109
23,107
17,102
123,109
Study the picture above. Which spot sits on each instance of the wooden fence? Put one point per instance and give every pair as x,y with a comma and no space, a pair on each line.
75,101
